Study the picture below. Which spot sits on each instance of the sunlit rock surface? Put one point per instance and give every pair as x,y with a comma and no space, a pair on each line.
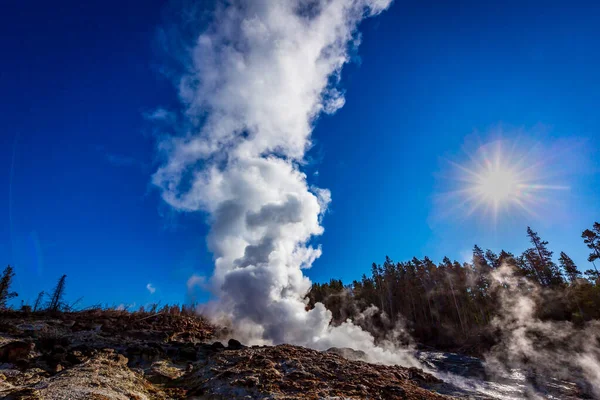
120,355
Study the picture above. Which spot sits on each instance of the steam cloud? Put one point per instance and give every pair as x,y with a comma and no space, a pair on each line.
260,75
546,352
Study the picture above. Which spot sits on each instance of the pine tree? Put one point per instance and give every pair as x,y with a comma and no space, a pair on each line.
591,237
377,273
530,266
478,257
492,259
57,296
450,274
506,257
389,273
448,303
37,306
5,281
480,283
569,267
540,259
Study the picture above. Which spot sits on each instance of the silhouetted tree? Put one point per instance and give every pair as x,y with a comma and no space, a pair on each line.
57,296
539,259
478,256
591,237
5,282
492,259
37,306
569,267
506,257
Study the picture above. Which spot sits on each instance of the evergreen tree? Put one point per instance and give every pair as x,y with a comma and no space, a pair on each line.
478,257
592,275
377,273
492,259
389,278
540,260
5,282
450,275
57,296
569,267
37,306
506,257
591,237
451,304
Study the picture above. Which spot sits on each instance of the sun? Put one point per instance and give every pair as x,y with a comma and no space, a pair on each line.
499,179
497,184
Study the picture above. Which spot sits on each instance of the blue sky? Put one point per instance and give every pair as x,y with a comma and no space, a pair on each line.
429,79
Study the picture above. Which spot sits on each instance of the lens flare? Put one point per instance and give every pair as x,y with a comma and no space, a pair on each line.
501,179
497,184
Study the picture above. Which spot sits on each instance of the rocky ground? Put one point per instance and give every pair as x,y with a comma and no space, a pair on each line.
120,355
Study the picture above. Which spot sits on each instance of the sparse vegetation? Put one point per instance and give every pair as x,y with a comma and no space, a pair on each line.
37,306
56,299
5,282
97,347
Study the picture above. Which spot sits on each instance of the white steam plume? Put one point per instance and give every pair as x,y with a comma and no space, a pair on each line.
260,75
547,352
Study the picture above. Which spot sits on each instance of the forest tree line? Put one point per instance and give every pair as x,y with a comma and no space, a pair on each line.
450,305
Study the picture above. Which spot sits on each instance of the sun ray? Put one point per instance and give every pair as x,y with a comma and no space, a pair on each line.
496,181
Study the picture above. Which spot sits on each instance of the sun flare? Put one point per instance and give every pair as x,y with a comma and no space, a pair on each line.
498,180
497,184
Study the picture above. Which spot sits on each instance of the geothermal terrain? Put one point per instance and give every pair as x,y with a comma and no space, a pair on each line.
120,355
107,354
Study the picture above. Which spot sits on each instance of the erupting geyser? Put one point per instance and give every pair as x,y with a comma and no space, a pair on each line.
259,77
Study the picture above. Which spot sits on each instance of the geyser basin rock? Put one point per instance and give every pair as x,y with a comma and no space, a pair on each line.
348,353
13,352
233,344
294,372
127,363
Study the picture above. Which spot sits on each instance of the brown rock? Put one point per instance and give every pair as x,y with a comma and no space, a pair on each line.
293,372
15,351
233,344
188,353
91,365
350,354
217,346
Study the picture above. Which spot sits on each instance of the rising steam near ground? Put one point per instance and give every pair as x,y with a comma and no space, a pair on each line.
543,351
258,78
534,358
